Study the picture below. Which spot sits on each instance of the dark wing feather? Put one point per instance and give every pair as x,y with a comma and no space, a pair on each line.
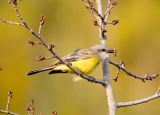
78,54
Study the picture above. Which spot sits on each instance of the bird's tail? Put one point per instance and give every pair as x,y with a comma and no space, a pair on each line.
38,70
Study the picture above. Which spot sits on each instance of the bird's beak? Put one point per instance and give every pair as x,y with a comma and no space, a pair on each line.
110,51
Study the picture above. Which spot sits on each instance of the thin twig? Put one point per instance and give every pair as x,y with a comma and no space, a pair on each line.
107,14
146,77
41,24
41,58
30,107
10,93
113,22
116,76
117,73
10,22
109,7
34,43
136,102
92,9
102,30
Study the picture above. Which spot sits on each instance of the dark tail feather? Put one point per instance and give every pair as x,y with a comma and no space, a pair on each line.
38,70
57,71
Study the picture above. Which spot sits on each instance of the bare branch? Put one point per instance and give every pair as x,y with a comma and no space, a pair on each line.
102,30
109,7
33,42
10,94
105,65
117,73
136,102
92,9
41,24
10,22
8,112
116,76
50,48
146,77
41,58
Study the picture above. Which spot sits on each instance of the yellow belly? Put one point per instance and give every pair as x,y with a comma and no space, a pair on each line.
86,66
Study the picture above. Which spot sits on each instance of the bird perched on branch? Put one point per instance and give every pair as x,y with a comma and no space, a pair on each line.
85,60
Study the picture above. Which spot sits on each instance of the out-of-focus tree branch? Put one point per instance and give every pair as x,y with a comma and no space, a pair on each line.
7,111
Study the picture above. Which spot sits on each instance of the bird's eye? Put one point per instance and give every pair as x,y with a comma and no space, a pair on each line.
103,50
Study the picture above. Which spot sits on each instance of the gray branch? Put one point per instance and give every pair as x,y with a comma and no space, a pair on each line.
136,102
8,112
105,62
146,77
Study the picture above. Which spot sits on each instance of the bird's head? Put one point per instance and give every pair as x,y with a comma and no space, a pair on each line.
102,51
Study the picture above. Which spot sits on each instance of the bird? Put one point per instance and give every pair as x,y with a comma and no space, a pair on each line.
84,59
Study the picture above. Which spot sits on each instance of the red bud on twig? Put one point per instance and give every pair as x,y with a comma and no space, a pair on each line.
3,19
54,112
114,3
42,20
104,31
114,22
10,94
51,47
12,1
122,63
31,42
40,58
28,108
95,22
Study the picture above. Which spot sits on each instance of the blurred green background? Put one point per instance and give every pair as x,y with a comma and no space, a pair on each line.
69,26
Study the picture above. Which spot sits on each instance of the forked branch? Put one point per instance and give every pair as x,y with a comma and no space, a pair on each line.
146,77
50,47
7,111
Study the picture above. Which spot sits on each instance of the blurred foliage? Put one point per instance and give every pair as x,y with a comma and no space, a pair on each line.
69,26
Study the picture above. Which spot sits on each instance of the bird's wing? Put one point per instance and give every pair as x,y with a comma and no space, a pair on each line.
78,54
